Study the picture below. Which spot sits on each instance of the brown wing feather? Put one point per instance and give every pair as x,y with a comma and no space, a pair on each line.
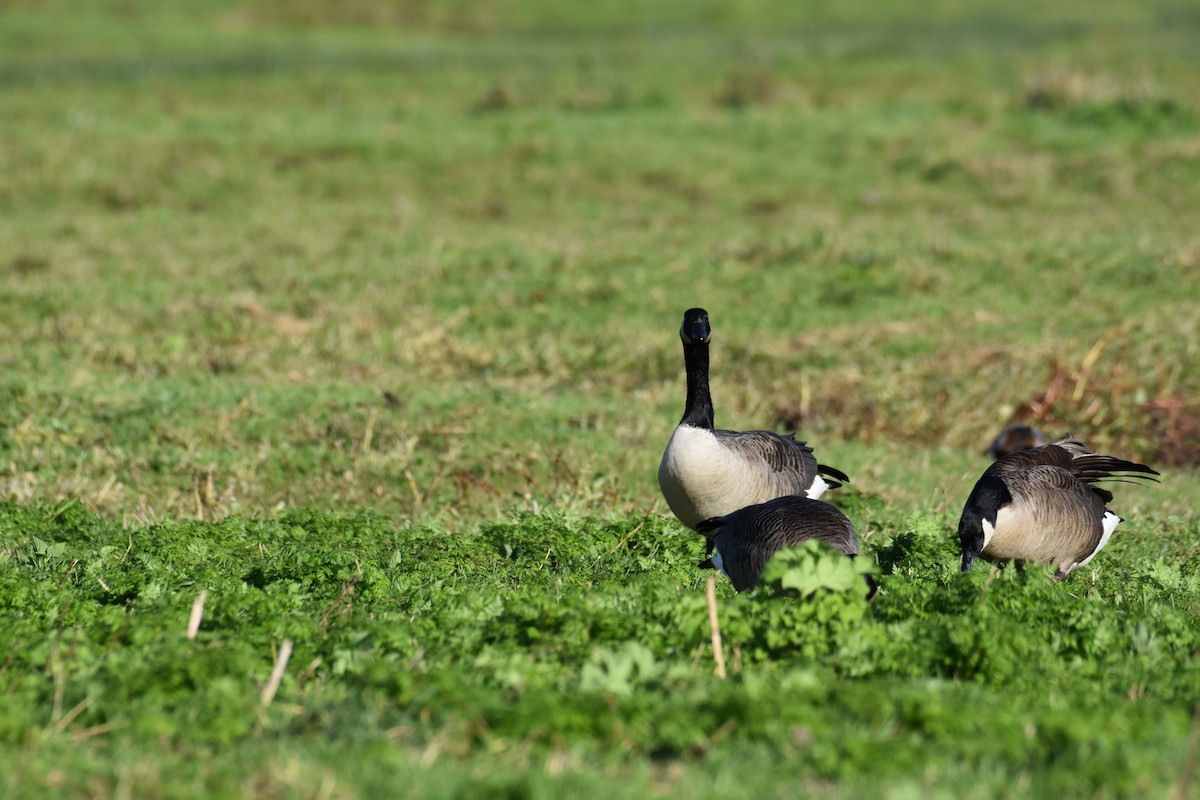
787,460
1073,457
1051,455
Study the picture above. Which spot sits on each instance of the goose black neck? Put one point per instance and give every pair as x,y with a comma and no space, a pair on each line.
698,412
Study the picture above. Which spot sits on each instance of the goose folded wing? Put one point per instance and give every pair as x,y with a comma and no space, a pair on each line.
837,477
1035,484
1048,455
777,453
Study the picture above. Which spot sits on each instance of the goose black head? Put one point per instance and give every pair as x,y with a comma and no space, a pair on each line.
983,506
695,328
970,535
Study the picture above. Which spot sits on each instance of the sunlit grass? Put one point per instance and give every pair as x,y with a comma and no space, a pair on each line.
429,260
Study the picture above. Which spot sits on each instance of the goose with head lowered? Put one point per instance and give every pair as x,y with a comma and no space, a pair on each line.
1014,438
706,472
746,539
1042,505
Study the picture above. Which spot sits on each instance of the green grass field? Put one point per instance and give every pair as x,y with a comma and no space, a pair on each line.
361,318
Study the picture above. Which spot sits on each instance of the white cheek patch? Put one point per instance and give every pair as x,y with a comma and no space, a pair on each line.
1107,526
989,531
817,488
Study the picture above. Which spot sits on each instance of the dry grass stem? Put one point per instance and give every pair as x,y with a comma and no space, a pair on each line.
70,716
197,614
281,660
345,600
714,627
992,573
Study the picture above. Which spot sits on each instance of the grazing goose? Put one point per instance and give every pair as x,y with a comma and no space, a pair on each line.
1014,438
1043,505
708,473
746,539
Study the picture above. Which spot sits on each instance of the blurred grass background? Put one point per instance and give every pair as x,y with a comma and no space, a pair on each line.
431,257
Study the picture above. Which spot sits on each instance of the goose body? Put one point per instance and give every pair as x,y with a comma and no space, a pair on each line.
706,472
1043,505
746,539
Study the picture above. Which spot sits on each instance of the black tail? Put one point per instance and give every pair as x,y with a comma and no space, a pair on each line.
1093,467
838,477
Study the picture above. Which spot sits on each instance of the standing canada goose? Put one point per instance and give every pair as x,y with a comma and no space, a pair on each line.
1014,438
746,539
1043,505
706,473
